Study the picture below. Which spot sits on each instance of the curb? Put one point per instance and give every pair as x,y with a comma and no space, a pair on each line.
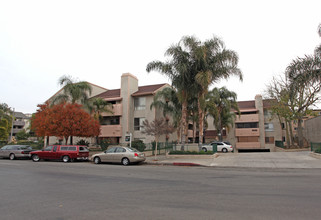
174,164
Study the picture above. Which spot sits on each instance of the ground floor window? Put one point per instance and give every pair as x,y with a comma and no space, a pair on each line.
138,124
269,140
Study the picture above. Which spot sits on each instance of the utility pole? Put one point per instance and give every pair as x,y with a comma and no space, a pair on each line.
12,126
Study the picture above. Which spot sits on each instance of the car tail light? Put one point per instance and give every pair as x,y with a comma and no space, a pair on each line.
22,152
135,155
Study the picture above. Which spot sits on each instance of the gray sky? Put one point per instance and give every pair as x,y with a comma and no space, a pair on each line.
97,41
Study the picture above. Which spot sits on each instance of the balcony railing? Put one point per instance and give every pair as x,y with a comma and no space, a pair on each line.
117,109
248,145
110,131
247,118
247,132
19,123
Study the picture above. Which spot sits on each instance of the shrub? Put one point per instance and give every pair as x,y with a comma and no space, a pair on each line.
22,135
83,142
139,145
104,144
318,150
190,153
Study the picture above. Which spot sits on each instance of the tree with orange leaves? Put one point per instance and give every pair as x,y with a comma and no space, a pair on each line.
64,120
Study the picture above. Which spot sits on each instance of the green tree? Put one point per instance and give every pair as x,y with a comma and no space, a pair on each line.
97,106
220,103
305,84
167,100
210,62
73,92
4,134
178,69
22,135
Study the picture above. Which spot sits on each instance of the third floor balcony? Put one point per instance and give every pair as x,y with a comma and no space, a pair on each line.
247,132
117,109
247,118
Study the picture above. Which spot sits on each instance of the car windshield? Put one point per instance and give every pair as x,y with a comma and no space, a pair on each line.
131,149
48,148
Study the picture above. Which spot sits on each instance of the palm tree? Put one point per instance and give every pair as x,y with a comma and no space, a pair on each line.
220,103
167,101
178,69
73,91
97,106
210,62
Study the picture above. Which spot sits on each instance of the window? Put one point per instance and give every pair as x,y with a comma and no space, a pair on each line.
140,103
269,140
268,127
110,120
247,125
72,148
111,150
283,126
138,124
120,150
48,148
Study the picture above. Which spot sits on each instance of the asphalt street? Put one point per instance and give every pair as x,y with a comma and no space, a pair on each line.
81,190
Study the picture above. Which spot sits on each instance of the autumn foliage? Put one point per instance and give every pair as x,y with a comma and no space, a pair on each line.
64,120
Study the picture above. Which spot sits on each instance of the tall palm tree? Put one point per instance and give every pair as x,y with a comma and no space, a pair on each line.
178,69
73,91
210,62
167,101
220,103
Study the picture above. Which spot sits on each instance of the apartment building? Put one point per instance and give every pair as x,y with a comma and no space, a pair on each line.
131,106
255,128
20,122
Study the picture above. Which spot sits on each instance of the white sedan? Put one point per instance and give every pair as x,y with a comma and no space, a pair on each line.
221,146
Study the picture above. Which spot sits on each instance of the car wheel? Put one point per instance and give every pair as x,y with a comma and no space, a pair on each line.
12,156
97,160
204,149
35,158
224,150
65,159
125,161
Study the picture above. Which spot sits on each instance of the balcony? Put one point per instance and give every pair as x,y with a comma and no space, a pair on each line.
19,123
247,118
247,132
248,145
117,109
110,131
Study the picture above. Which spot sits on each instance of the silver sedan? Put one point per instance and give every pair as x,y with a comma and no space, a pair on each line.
118,154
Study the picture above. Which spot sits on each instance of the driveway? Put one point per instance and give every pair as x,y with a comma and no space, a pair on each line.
268,160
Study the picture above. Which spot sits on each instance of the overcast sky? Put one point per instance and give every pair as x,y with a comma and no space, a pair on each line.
98,41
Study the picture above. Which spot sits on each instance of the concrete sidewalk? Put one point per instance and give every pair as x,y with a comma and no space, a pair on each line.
254,160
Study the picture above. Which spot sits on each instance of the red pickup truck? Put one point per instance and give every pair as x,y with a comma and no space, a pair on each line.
65,153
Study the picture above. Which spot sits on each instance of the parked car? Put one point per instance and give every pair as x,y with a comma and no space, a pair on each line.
65,153
221,146
118,154
15,151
